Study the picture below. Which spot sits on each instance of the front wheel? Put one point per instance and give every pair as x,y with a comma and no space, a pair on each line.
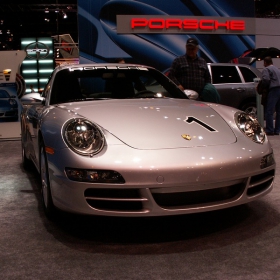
46,195
26,162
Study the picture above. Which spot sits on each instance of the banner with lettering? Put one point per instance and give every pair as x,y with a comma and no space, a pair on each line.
154,32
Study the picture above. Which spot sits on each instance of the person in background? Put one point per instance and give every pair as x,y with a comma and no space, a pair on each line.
120,60
210,94
190,71
271,80
32,88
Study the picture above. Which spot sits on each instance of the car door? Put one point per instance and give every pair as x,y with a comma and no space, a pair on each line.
248,79
228,82
33,116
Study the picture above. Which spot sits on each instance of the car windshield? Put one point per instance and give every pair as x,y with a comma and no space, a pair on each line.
4,94
111,82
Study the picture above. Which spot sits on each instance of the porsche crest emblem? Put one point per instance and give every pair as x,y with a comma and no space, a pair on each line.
186,137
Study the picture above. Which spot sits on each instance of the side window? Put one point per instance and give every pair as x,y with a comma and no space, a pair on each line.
225,74
46,91
47,88
247,74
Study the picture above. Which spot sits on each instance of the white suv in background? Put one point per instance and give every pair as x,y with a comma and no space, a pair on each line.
235,84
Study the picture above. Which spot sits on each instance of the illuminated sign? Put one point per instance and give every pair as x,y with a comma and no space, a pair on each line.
187,24
179,24
39,62
37,50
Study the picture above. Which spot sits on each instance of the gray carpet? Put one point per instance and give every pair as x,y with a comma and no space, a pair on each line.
237,243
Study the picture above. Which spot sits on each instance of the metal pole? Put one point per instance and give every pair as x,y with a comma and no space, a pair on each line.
260,114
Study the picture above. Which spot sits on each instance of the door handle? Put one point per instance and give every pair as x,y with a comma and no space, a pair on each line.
240,89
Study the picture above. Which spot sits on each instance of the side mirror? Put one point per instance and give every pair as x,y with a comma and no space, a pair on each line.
191,94
32,99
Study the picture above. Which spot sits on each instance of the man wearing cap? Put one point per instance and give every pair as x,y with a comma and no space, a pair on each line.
190,71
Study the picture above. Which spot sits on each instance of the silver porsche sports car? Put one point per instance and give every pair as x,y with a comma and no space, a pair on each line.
124,140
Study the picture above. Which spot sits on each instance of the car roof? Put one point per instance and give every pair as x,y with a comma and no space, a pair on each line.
228,64
255,70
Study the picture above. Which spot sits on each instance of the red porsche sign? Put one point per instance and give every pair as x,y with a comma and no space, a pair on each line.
175,24
187,24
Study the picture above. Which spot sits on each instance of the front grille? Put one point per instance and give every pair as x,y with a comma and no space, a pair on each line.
260,183
114,199
138,200
11,113
201,197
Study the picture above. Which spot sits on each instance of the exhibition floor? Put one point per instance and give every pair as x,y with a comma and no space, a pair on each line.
237,243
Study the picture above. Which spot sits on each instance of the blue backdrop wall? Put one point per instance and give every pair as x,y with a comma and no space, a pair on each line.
100,42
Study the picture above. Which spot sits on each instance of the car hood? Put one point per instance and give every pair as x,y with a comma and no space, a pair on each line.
157,123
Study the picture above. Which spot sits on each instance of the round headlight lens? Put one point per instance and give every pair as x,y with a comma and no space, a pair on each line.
83,137
12,102
250,127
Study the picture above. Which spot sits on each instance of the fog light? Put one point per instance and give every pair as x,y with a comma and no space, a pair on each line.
94,176
267,161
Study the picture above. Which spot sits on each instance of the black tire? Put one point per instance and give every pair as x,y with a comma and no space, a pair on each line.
46,195
26,162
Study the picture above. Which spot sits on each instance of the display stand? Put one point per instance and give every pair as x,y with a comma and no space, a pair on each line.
10,62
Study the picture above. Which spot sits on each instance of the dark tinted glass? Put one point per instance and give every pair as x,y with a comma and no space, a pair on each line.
225,74
112,82
247,74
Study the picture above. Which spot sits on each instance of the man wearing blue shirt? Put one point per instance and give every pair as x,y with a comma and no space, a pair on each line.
271,80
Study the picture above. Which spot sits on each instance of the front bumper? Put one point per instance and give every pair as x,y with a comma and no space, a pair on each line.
163,182
12,113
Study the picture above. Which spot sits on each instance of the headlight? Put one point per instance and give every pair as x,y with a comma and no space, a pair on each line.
250,127
12,102
94,176
267,161
83,137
